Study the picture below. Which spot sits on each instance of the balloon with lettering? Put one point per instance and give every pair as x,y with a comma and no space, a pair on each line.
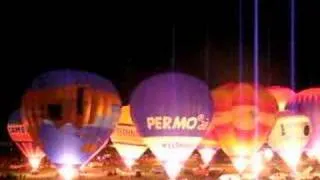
282,95
19,134
308,102
208,146
172,112
126,139
290,136
73,113
243,118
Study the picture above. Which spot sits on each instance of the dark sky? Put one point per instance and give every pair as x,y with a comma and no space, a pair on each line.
128,44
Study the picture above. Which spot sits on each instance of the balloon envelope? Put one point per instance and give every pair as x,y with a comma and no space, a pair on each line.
20,135
126,139
289,136
172,112
243,119
307,102
73,113
282,95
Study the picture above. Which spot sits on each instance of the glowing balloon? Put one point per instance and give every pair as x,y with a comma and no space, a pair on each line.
282,95
19,134
289,137
243,119
126,138
172,112
73,114
307,102
208,146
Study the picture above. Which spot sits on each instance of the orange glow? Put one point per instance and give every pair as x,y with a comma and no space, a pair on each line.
34,163
242,123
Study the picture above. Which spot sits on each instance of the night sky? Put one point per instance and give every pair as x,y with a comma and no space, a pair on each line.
128,44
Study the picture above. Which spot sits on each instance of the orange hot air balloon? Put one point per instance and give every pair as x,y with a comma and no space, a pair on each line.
282,95
243,119
72,113
19,134
126,139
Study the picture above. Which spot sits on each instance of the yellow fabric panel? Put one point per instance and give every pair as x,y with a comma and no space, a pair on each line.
125,117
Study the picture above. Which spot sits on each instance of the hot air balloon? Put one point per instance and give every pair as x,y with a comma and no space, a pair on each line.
282,95
19,134
172,112
289,136
208,146
126,138
243,119
307,102
73,114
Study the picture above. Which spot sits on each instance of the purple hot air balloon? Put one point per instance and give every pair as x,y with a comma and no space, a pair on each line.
308,103
172,112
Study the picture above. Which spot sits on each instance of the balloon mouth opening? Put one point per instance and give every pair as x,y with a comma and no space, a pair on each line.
268,154
68,172
129,162
207,155
240,163
34,163
173,169
292,159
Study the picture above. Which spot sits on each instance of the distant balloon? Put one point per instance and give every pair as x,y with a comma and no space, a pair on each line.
126,139
308,102
73,114
243,119
172,112
290,136
282,95
19,134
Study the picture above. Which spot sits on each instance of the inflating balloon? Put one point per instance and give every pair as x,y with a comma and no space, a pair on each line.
73,114
19,134
172,112
307,102
282,95
243,119
126,138
290,136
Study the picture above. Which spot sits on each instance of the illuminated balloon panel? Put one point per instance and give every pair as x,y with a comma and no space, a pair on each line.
308,103
73,113
172,112
289,136
282,95
19,134
126,138
245,122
